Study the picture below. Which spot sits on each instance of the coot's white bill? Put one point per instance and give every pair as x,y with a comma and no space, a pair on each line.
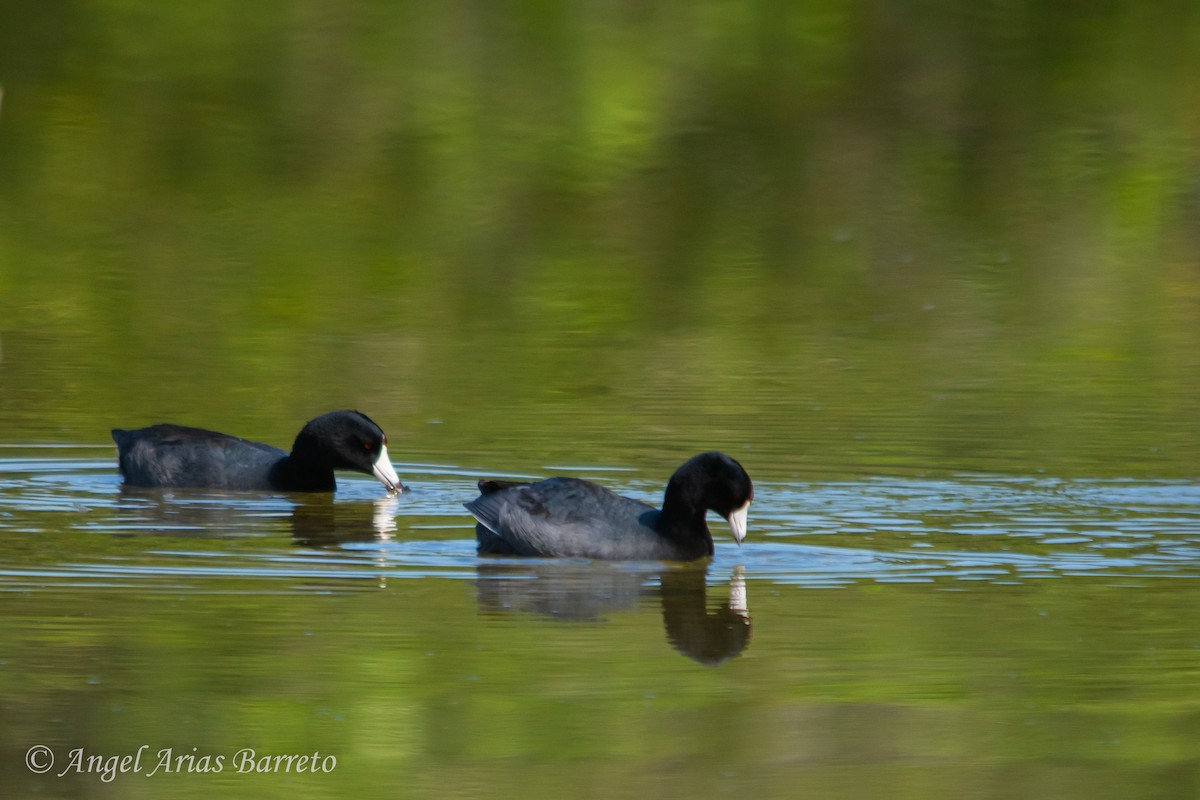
737,522
386,473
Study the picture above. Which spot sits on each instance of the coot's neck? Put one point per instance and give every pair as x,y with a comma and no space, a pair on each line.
305,470
682,519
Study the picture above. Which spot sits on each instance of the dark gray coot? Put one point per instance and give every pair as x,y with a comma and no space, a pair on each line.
569,517
182,457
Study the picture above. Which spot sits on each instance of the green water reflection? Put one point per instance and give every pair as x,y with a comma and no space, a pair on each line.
1068,690
849,236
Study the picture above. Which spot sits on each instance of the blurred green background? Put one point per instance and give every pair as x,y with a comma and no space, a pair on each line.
850,235
835,238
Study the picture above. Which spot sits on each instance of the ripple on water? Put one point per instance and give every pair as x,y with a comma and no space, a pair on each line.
67,522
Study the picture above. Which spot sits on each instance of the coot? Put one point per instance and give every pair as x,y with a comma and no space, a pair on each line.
178,456
569,517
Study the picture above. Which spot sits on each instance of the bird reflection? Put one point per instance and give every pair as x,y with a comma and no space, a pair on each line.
587,591
326,523
569,590
709,637
317,521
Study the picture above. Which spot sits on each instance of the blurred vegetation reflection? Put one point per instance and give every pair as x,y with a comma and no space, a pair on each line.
848,234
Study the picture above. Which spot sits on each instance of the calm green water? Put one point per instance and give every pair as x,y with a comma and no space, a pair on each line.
979,636
929,273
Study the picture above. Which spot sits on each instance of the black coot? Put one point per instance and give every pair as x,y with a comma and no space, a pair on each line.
178,456
569,517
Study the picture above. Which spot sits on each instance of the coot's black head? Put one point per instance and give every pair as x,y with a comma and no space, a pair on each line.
714,481
348,440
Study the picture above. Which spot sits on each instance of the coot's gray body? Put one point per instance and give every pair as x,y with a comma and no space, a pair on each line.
570,517
179,456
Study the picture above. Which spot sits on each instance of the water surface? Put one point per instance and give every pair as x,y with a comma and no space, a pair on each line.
986,634
930,274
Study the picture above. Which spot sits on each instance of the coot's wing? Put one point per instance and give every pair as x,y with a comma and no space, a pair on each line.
568,517
179,456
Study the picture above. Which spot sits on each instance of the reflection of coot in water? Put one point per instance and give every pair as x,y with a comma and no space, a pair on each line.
322,522
704,636
565,591
316,521
191,512
586,592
